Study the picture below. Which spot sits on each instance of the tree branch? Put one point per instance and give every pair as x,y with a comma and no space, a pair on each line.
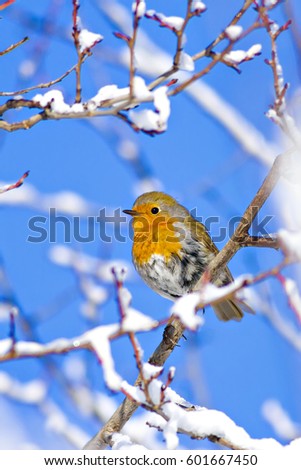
174,331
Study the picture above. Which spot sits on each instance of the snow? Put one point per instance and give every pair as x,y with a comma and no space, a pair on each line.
271,114
86,264
123,442
32,392
134,392
172,22
94,292
109,92
154,61
141,92
270,3
53,98
254,50
162,103
198,6
280,421
6,309
293,295
233,32
238,56
186,62
68,202
88,39
133,320
137,321
99,340
150,371
170,434
139,7
185,309
149,120
146,120
290,243
77,108
204,423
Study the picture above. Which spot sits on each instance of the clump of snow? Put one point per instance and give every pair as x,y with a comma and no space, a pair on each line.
238,56
7,309
54,99
173,22
233,32
271,114
141,92
185,309
123,442
270,3
137,321
186,63
99,340
150,371
254,50
153,121
138,8
134,392
290,243
87,39
198,7
133,320
109,92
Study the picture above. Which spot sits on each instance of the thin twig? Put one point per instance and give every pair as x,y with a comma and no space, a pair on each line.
41,85
14,46
75,35
14,185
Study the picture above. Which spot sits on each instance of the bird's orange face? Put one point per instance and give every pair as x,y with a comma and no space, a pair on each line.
154,231
150,222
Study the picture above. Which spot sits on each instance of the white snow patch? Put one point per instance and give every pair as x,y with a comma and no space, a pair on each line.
200,7
234,31
99,339
186,63
290,243
87,39
138,8
185,309
53,98
279,419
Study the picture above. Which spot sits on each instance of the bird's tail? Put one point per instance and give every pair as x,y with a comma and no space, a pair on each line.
231,310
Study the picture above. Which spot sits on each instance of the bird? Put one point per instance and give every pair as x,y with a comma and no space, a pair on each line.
172,249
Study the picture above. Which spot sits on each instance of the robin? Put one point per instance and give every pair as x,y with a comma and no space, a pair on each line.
171,251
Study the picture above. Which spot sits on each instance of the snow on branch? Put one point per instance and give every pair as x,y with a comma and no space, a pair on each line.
119,102
172,415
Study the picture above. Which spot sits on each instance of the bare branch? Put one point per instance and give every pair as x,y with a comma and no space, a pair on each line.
14,185
14,46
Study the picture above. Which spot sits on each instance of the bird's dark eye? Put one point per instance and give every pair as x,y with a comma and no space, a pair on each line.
155,210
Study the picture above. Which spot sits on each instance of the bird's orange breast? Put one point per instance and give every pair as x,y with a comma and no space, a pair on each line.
154,237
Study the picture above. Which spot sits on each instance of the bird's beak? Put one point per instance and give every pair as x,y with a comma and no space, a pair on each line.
130,212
